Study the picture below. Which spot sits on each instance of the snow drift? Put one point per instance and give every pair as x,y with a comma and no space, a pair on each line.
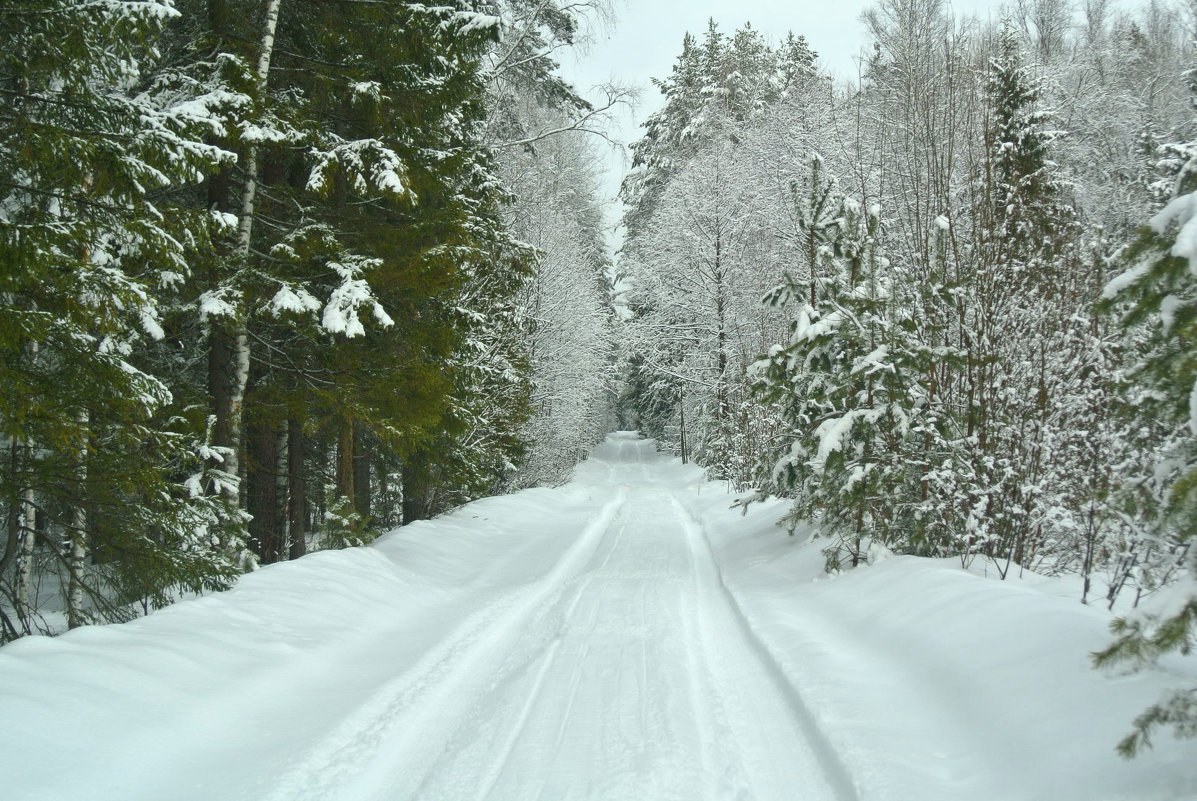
500,652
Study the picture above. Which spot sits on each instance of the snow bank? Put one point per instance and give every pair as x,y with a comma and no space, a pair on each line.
218,697
913,679
933,682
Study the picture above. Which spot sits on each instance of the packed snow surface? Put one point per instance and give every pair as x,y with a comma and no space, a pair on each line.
627,636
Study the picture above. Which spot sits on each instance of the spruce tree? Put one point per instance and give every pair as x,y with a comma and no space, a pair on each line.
406,209
846,382
1157,297
90,245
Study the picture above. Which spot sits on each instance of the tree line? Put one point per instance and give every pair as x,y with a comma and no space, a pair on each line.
277,275
923,303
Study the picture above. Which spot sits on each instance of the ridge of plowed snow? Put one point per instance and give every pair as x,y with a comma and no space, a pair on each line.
627,636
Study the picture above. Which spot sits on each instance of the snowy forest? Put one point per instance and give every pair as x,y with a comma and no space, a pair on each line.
976,338
282,275
279,277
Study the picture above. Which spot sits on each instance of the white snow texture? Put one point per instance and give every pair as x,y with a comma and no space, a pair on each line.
627,636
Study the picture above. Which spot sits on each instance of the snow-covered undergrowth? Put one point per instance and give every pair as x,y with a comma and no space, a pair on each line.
483,654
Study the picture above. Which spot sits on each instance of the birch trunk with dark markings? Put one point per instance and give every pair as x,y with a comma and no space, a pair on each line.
77,558
228,367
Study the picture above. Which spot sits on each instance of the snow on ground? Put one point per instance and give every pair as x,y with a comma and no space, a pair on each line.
627,636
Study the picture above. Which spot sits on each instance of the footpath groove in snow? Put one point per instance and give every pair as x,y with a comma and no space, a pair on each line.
402,720
620,686
728,630
626,637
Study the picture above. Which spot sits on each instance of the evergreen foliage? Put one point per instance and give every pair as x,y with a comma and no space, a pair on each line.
95,460
261,291
1157,295
279,275
844,381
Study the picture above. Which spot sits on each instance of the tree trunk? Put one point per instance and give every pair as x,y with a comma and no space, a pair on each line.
261,490
228,373
383,516
22,524
297,497
345,472
282,503
721,389
416,488
228,366
681,413
220,17
14,507
248,193
26,535
361,472
78,556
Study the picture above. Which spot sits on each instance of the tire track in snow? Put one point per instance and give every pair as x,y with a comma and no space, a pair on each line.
607,695
503,684
531,705
724,626
677,706
407,719
547,662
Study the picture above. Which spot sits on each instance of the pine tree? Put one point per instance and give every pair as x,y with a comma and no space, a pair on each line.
437,256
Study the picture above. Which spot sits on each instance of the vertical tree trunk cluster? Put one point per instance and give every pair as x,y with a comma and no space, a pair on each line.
277,490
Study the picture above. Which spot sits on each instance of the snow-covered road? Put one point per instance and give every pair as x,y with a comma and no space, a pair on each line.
626,637
622,673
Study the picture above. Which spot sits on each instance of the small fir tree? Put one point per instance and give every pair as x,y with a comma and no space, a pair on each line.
1158,296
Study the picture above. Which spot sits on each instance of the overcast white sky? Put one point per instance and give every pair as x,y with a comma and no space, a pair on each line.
647,37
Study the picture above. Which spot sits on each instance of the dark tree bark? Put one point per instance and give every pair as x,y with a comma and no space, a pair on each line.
220,17
222,390
383,515
345,472
261,492
416,488
361,472
14,510
297,489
